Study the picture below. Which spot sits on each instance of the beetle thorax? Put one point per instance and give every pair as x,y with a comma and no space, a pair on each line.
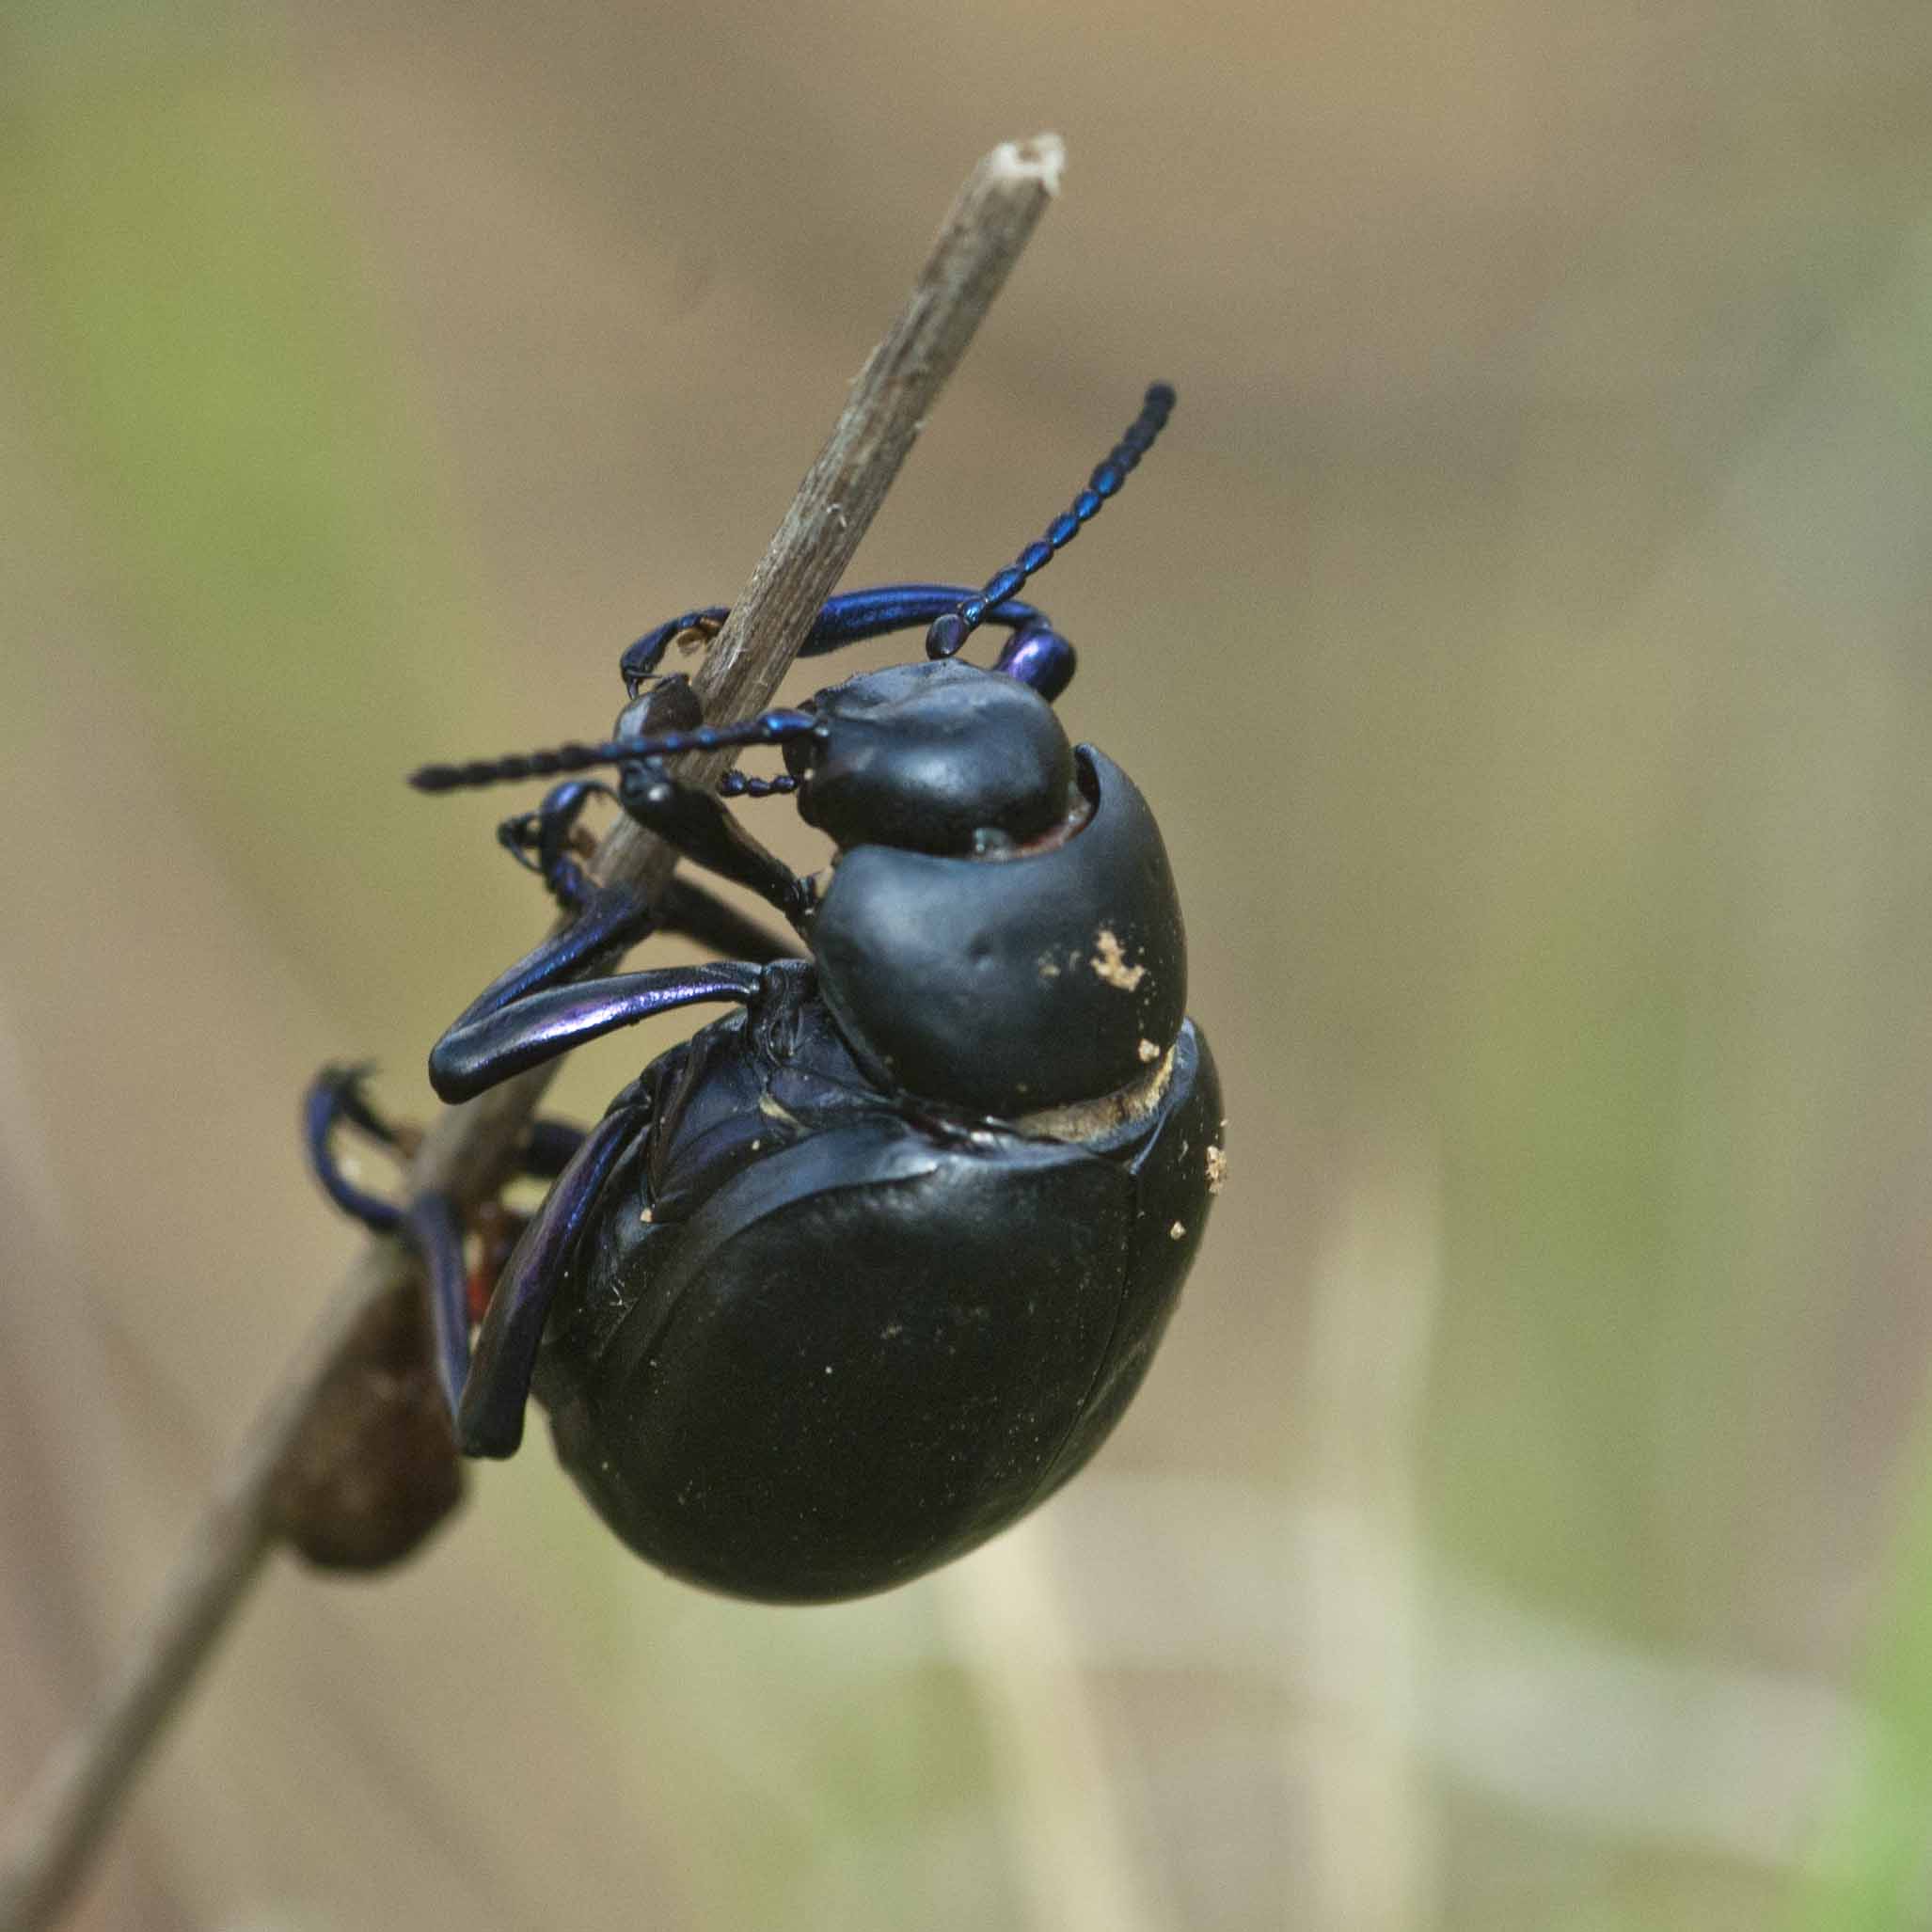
1055,978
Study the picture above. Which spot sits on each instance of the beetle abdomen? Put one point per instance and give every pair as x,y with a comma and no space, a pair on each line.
864,1357
1006,985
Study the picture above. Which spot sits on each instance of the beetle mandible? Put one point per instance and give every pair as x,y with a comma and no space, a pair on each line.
860,1273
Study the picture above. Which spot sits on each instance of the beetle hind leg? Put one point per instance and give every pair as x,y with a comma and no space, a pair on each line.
436,1230
430,1223
489,1412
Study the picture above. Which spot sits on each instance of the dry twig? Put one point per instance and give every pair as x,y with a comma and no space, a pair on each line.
466,1151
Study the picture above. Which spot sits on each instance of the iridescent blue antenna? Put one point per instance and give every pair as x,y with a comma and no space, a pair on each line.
742,785
948,633
767,728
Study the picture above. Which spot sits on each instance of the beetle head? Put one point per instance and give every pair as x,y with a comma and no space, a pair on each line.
932,757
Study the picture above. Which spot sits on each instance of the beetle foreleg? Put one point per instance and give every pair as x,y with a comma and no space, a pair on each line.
850,618
640,661
878,613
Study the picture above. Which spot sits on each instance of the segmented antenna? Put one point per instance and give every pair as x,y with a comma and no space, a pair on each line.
742,785
948,633
767,728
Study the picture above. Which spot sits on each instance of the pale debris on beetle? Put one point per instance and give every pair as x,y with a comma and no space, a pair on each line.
1110,962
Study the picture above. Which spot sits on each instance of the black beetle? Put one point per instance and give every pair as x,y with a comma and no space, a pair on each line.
860,1273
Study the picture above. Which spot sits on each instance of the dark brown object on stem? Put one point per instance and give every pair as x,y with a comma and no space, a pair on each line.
466,1151
374,1468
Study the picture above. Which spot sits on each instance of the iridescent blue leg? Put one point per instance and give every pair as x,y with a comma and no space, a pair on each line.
889,606
540,840
334,1098
641,659
847,619
1036,653
430,1223
489,1416
436,1231
612,920
483,1049
540,1008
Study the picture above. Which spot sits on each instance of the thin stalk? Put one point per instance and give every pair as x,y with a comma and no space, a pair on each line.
66,1814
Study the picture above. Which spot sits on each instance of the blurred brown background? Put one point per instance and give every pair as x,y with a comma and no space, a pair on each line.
1522,634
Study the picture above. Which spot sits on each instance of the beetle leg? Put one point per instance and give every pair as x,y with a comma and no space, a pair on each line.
692,818
548,842
613,919
490,1413
539,1008
436,1231
850,618
483,1049
610,920
1038,655
545,840
430,1223
335,1098
890,607
640,661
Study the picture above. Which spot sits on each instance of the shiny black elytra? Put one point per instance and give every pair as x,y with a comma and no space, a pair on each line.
860,1273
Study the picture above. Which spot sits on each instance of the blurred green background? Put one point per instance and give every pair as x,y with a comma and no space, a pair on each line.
1522,634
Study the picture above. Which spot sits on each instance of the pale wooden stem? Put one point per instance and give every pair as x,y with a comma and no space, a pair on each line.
466,1151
